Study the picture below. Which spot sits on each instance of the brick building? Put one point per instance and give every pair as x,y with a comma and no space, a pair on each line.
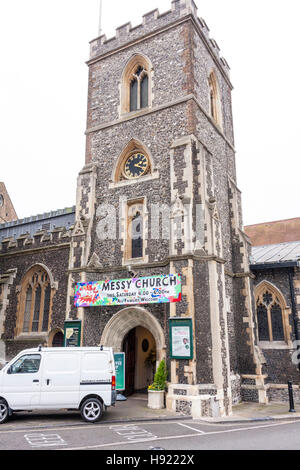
7,210
157,197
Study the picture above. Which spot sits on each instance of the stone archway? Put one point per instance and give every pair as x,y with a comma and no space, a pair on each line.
127,319
56,338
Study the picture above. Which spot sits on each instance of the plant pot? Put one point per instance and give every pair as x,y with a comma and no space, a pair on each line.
156,399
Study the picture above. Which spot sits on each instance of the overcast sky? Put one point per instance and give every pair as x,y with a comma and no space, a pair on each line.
44,45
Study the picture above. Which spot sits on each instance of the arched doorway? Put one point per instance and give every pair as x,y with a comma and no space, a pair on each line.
131,330
56,339
140,353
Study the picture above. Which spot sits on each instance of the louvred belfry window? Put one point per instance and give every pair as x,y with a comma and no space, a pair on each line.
35,302
270,317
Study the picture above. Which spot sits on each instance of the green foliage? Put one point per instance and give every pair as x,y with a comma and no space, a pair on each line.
151,358
160,377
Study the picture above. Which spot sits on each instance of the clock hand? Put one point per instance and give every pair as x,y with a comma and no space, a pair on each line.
139,166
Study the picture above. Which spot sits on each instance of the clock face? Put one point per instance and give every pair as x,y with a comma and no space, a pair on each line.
136,166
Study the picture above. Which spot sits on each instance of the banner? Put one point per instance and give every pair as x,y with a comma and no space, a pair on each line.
120,371
144,290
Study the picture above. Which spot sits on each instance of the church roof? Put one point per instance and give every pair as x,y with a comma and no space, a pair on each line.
279,231
287,253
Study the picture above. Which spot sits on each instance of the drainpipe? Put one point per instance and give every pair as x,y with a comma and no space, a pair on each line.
294,310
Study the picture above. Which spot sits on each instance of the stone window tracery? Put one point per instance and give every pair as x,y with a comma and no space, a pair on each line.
139,89
136,85
135,238
35,304
272,323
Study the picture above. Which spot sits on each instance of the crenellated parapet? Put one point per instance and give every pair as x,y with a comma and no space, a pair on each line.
154,21
41,238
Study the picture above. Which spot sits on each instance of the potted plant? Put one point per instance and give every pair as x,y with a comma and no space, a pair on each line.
156,391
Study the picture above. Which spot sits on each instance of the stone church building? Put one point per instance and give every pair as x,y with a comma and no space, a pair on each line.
157,198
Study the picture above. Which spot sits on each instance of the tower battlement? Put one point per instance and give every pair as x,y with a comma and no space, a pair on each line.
154,21
38,239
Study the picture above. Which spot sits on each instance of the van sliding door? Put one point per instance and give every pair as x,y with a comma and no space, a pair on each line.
60,379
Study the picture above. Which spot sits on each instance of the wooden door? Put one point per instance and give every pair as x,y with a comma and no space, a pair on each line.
58,340
129,349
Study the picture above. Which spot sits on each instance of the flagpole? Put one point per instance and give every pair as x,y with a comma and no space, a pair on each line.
100,19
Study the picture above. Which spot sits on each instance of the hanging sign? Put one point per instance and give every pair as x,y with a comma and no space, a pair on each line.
143,290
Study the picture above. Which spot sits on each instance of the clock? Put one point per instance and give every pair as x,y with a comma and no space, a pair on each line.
135,166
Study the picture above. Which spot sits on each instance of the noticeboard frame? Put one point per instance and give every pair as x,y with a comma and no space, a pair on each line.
186,323
76,325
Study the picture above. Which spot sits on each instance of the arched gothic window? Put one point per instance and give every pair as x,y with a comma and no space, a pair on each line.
35,302
136,85
135,239
139,89
270,309
214,99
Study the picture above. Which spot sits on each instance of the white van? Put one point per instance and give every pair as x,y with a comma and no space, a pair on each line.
59,378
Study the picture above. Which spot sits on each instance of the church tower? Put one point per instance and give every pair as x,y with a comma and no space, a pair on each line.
158,198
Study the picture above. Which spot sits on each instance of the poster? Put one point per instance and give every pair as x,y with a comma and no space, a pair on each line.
143,290
120,371
72,334
181,339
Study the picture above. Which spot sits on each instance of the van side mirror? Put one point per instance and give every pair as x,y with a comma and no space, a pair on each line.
9,370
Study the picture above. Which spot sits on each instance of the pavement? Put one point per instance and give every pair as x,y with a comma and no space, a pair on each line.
135,409
247,411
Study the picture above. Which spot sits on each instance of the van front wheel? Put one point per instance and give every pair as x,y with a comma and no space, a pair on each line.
4,411
91,410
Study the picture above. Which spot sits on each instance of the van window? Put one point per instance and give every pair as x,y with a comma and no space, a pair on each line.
28,364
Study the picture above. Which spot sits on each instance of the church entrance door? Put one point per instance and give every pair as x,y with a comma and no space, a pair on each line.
140,360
